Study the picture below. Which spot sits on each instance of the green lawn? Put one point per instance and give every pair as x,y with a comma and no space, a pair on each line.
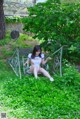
28,98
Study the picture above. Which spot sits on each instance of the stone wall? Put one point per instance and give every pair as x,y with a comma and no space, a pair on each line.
14,26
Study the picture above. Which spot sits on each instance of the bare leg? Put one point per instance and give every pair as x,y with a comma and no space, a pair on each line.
34,69
35,72
45,73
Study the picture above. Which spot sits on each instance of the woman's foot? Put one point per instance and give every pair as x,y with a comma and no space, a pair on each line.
51,79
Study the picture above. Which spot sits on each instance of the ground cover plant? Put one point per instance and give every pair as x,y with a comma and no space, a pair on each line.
28,98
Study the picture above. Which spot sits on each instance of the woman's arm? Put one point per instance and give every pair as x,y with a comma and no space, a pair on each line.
27,62
45,61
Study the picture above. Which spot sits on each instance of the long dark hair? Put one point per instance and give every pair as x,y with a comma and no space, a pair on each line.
36,48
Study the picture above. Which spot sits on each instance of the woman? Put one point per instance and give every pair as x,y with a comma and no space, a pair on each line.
35,59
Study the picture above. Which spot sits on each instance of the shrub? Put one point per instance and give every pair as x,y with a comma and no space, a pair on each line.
58,25
70,76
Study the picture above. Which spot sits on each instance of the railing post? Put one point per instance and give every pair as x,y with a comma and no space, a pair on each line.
19,63
61,61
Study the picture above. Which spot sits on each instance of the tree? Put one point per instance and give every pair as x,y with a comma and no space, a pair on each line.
2,21
57,24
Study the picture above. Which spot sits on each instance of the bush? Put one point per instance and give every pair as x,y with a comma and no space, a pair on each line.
12,19
71,76
58,25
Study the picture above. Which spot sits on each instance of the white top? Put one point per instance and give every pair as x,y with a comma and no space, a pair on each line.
37,60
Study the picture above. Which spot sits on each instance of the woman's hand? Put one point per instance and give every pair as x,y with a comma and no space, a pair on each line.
49,58
45,61
24,64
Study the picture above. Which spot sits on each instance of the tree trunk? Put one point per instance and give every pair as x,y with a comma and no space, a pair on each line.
2,21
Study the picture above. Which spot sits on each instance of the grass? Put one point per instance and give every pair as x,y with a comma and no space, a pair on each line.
29,98
20,42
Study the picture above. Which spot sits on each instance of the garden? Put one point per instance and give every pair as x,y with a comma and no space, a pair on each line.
52,25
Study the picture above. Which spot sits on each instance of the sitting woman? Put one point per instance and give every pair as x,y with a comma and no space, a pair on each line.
35,59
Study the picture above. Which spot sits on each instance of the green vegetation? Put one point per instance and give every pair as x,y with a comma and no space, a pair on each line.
70,1
20,42
58,25
6,40
42,99
8,45
28,98
13,19
39,99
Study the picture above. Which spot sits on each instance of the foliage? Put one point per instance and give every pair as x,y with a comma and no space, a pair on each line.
13,19
21,42
7,45
58,25
30,98
70,75
6,39
70,1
